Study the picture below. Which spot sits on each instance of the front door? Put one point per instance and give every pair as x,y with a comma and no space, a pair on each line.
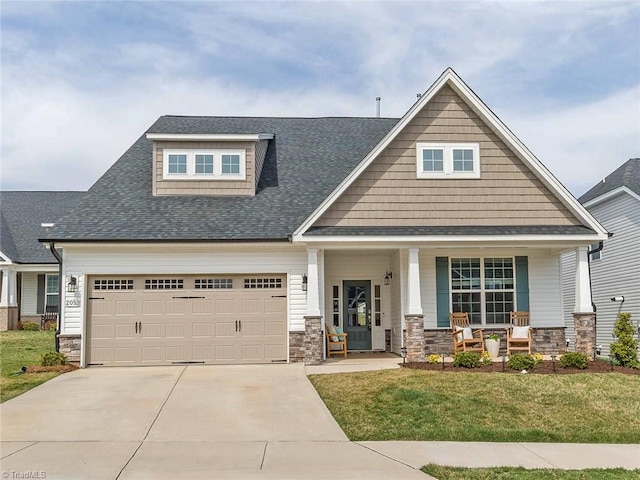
357,314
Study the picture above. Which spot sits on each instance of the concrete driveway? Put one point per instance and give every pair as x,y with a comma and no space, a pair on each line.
182,422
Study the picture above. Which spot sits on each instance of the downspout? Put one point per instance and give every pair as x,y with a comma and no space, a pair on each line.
593,305
55,253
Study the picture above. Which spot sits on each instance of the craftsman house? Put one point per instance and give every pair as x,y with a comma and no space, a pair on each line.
235,240
29,281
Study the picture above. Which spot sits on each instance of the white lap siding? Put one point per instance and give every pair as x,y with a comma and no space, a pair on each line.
83,261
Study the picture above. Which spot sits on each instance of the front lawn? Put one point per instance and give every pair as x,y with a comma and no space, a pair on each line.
405,404
21,348
508,473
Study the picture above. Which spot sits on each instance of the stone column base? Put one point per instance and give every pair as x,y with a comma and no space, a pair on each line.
70,345
296,347
8,318
585,329
414,342
313,340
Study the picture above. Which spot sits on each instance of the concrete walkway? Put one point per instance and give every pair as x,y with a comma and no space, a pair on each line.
224,422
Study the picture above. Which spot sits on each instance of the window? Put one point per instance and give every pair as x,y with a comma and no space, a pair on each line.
213,283
164,284
484,288
51,291
204,164
448,160
213,164
336,305
115,284
262,283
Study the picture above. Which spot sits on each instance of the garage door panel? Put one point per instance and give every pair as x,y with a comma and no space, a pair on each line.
153,307
231,320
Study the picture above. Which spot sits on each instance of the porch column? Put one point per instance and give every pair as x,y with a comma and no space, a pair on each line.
313,335
584,318
414,319
8,300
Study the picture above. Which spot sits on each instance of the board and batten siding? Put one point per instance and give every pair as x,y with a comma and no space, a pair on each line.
29,294
184,259
507,193
204,187
616,273
545,299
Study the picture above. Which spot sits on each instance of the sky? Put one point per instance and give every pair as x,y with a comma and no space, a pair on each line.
81,81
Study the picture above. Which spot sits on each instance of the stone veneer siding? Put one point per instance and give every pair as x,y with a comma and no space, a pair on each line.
585,328
8,318
313,340
296,347
415,338
70,346
548,341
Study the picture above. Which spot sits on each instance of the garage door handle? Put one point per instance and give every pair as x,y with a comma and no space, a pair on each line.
188,298
278,296
238,325
136,327
96,298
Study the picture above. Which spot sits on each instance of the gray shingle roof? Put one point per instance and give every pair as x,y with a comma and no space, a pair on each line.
306,160
627,175
22,215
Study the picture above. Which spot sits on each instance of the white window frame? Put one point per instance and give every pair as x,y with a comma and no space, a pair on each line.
447,156
483,290
47,294
191,164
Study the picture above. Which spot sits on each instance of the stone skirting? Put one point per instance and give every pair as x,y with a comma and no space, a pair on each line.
296,347
70,345
313,340
548,341
8,318
415,338
585,329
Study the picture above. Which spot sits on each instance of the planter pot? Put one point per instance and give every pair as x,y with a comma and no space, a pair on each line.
493,347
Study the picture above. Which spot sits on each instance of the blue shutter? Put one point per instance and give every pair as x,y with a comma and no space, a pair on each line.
442,290
522,283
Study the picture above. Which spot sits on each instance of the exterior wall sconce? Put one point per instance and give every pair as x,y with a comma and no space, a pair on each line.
387,277
72,285
403,354
305,281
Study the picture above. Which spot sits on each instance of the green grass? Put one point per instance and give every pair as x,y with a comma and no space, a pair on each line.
509,473
18,348
406,404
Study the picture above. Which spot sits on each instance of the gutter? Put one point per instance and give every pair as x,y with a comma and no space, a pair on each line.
56,254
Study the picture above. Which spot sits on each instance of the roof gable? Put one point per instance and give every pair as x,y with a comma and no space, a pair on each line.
626,178
449,80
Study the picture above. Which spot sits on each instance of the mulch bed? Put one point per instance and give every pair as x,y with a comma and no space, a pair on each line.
54,368
543,368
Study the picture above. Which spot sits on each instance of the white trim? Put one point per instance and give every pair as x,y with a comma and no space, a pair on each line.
191,174
414,300
194,137
455,82
608,195
8,259
390,239
447,153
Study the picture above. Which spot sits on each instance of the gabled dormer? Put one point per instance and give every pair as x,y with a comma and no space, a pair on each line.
208,164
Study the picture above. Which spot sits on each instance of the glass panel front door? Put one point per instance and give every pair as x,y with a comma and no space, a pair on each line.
357,314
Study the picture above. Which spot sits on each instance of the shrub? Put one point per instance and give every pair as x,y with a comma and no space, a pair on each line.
485,358
574,359
537,357
30,326
466,359
433,359
53,327
50,359
521,361
625,349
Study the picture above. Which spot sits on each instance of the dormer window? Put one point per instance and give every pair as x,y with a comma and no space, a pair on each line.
214,164
448,160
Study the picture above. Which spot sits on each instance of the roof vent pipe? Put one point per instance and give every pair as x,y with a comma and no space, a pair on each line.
378,107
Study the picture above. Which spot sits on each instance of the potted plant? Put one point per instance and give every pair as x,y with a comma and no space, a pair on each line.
492,342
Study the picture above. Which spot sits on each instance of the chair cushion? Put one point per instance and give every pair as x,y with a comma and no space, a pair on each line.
520,332
332,332
459,336
339,331
467,333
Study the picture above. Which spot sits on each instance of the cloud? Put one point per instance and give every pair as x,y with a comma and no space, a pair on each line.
75,99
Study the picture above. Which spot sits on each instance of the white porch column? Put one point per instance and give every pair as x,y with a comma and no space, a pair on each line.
413,284
8,294
313,290
583,286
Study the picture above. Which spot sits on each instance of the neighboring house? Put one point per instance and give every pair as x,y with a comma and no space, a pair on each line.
29,280
615,270
233,240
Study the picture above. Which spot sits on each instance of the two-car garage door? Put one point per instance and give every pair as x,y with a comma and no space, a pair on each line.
164,320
